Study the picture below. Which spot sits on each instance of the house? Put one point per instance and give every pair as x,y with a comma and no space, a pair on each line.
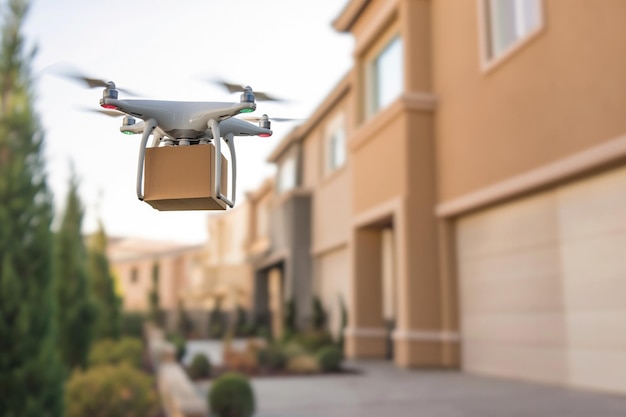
490,135
135,263
462,190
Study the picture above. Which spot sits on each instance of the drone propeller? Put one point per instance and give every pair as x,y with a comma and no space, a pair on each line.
93,82
238,88
110,113
273,119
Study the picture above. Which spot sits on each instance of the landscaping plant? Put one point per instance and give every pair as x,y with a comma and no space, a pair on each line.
231,395
200,367
111,391
127,350
272,358
180,344
329,358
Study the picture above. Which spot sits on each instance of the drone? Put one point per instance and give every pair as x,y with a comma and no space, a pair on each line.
187,124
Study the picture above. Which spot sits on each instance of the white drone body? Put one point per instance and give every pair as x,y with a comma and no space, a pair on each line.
178,123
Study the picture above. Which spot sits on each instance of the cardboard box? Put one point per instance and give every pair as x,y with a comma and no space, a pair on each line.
182,178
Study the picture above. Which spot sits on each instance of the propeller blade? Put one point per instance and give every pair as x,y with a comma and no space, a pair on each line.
238,88
273,119
90,82
110,113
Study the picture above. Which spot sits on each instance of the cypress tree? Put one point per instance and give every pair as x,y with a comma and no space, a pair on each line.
154,300
108,303
75,311
31,374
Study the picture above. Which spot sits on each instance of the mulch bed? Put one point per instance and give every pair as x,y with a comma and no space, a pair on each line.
217,370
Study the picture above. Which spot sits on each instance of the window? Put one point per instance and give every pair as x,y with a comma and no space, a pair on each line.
134,275
509,22
287,174
336,145
385,76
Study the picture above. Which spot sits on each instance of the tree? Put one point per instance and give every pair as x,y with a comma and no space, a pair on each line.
31,373
108,303
154,301
76,311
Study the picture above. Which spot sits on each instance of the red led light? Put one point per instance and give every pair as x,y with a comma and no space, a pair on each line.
265,135
109,106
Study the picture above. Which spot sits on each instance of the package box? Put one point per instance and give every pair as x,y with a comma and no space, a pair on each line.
183,178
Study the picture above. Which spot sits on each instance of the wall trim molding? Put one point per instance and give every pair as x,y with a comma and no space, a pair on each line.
366,332
560,170
367,217
426,336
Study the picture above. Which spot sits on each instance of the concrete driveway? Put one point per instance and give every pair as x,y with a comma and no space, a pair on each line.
383,390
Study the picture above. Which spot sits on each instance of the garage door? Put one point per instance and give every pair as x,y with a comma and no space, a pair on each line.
543,286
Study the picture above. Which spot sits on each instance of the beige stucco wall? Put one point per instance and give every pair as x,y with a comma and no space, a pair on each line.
559,94
228,272
332,284
177,266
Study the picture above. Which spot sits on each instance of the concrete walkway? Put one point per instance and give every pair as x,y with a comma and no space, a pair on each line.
382,390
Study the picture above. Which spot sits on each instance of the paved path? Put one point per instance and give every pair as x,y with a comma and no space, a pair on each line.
383,390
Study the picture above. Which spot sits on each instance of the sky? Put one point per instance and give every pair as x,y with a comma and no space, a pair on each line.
168,50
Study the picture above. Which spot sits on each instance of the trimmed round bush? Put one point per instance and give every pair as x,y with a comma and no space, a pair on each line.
200,366
110,391
111,352
231,395
329,358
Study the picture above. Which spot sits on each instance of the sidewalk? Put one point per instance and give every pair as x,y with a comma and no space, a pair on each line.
382,390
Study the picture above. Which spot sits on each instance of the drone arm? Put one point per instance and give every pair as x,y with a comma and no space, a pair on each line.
150,125
215,129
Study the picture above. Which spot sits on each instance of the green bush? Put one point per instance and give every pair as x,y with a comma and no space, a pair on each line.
110,391
292,349
313,341
329,358
303,363
272,358
200,366
132,325
180,344
319,315
231,395
111,352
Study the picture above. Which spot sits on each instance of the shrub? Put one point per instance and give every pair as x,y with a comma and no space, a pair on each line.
231,395
303,363
290,316
319,315
180,344
200,366
217,321
184,323
329,358
110,352
110,391
293,349
241,321
132,325
313,341
271,358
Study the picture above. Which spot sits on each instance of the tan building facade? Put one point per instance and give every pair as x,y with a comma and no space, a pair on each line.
134,261
462,191
503,160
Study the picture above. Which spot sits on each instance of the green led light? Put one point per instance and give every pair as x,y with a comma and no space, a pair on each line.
128,132
246,110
